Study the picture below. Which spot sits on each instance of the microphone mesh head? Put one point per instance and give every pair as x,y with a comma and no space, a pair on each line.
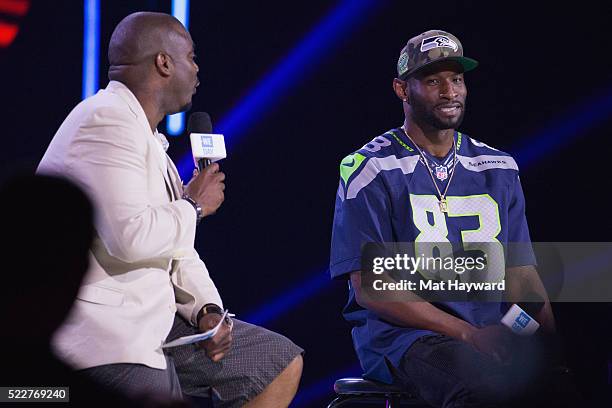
199,122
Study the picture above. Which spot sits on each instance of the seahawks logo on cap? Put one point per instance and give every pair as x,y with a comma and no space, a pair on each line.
437,42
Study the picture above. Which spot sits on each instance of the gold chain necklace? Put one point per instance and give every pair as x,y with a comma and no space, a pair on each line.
442,197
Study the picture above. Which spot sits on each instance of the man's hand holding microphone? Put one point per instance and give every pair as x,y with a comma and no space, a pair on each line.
206,188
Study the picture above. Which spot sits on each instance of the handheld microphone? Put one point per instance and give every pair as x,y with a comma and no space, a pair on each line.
206,147
519,318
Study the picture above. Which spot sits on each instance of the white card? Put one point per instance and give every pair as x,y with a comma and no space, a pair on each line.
194,338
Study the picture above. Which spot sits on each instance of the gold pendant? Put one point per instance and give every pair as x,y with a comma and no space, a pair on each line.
443,205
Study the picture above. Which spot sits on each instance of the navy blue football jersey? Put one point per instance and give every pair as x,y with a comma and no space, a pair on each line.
386,195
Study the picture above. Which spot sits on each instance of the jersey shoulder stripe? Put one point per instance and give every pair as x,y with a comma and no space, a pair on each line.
480,157
359,169
374,166
487,162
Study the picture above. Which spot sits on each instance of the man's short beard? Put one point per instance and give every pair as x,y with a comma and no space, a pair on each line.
427,117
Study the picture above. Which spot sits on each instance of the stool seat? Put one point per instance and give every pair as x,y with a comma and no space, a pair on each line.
352,390
362,386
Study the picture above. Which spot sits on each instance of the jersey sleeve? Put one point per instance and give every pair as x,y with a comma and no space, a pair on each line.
520,252
361,215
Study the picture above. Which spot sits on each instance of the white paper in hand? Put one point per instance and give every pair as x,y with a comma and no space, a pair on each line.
194,338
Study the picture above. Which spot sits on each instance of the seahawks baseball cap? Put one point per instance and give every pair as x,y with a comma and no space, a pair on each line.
430,47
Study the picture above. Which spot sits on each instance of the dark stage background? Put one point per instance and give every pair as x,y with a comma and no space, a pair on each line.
543,68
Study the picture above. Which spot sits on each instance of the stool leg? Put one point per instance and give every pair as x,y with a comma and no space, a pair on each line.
342,400
335,403
393,401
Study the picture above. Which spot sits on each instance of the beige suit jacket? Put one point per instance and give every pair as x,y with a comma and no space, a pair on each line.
143,265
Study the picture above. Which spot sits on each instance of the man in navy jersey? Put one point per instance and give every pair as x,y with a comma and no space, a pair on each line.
426,182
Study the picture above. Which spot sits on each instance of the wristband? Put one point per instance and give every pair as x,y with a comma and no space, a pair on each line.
198,208
207,309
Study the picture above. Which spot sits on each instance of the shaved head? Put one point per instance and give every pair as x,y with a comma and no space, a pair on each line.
153,55
140,36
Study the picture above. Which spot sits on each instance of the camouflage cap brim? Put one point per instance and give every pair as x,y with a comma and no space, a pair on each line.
468,64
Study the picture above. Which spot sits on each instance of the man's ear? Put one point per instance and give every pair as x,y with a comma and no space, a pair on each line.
401,89
163,64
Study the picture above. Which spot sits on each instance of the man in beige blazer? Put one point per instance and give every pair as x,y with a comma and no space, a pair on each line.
144,269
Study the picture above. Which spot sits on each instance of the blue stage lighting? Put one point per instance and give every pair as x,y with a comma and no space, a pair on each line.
290,298
564,130
180,10
309,394
91,47
175,124
301,61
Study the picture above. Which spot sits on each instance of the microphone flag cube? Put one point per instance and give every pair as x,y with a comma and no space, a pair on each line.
517,320
208,146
